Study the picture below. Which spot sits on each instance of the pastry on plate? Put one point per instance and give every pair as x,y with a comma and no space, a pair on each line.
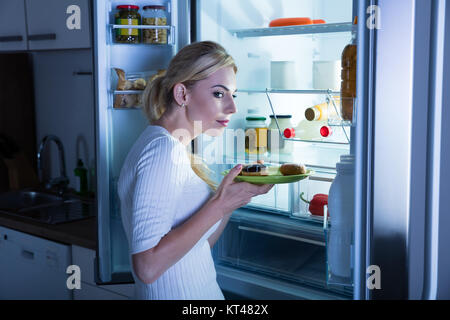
254,169
289,169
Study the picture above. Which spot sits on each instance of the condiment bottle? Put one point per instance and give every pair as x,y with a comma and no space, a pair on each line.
348,76
323,111
81,172
154,16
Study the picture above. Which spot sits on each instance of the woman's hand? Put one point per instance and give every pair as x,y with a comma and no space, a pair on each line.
232,195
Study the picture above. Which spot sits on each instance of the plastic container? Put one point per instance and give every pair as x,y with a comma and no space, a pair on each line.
154,16
276,144
255,133
341,208
127,15
348,76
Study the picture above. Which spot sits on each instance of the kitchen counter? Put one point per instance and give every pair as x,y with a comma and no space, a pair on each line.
81,232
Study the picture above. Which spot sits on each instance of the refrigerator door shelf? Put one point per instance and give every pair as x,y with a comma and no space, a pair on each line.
170,34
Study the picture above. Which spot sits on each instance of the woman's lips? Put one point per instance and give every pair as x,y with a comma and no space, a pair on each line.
223,122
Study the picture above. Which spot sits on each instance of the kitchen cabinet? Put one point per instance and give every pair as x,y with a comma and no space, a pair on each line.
44,25
85,259
32,267
58,24
13,32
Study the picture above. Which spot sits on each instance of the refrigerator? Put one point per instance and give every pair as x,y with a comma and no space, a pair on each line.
274,248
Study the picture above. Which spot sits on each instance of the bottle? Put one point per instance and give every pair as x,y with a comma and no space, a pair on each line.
127,15
341,208
81,172
309,130
255,133
348,77
275,142
323,111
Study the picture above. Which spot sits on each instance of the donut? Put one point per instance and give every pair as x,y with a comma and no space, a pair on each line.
254,169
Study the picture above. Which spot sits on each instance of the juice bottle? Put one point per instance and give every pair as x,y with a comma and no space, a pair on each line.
323,111
348,76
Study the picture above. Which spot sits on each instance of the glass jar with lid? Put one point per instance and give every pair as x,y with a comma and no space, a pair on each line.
275,142
127,15
154,16
255,133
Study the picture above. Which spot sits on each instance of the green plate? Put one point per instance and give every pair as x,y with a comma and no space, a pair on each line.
274,177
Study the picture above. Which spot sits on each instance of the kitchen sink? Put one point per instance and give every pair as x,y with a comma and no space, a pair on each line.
45,207
19,200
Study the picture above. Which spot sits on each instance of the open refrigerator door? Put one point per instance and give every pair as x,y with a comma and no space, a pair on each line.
289,93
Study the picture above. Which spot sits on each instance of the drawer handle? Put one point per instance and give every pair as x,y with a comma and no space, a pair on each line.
318,243
11,38
82,73
28,254
39,37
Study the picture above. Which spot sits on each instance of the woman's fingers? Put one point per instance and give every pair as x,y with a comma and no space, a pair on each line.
255,188
232,174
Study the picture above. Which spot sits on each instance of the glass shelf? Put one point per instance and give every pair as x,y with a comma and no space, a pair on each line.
128,91
170,36
294,30
287,91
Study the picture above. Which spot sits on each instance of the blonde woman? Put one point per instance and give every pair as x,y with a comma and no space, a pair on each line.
172,212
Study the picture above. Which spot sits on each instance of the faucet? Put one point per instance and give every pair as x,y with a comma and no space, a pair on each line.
62,181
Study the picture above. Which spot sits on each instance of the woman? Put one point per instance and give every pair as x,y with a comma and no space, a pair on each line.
170,216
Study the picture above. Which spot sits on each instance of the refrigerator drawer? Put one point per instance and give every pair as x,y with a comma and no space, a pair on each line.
274,246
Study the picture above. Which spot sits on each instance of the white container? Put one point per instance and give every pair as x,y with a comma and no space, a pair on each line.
327,75
276,144
341,209
282,75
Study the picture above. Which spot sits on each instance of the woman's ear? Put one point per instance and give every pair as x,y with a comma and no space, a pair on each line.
180,94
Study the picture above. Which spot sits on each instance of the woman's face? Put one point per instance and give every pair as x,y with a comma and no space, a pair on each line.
211,101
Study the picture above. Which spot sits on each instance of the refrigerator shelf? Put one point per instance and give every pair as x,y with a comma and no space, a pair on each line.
285,91
310,29
128,91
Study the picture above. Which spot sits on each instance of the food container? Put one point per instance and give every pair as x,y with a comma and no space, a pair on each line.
326,75
154,16
127,15
282,75
275,142
255,133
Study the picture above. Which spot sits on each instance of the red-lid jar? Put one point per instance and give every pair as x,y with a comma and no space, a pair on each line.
127,15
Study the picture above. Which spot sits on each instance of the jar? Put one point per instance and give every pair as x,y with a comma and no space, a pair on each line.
275,142
255,134
127,15
154,16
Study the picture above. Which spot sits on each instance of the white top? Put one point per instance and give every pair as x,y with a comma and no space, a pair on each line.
158,191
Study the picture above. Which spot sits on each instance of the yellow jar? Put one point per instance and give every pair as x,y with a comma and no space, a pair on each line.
255,135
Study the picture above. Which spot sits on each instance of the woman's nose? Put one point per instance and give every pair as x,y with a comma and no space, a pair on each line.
231,108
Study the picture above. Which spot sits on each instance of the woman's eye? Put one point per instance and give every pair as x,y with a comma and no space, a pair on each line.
218,94
234,96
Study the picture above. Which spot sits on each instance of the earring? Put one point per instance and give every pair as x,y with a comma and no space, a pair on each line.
182,105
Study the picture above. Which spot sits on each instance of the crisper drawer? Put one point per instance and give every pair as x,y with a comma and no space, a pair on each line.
275,246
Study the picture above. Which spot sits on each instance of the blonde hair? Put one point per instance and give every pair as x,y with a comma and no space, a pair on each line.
193,63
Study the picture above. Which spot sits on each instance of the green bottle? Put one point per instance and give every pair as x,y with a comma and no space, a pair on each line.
81,172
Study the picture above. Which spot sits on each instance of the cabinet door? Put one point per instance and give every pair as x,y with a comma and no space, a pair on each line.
13,33
58,24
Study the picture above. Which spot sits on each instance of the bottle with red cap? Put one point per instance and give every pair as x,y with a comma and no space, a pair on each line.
127,15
